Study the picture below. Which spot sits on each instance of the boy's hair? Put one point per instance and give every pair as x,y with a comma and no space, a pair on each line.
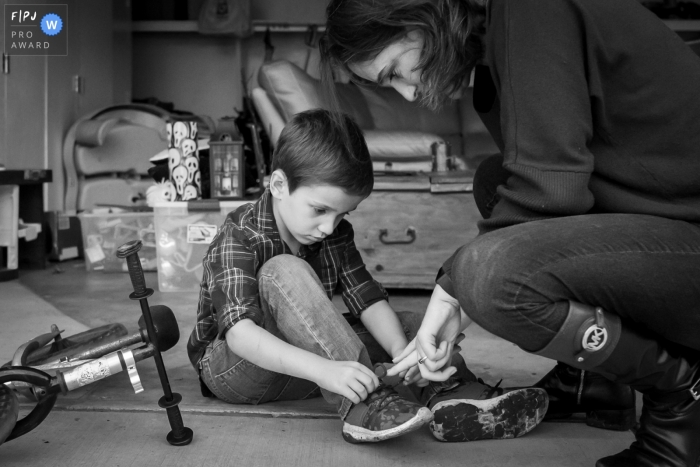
358,30
318,147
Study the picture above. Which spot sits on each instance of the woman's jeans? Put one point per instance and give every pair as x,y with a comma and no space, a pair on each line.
516,281
297,310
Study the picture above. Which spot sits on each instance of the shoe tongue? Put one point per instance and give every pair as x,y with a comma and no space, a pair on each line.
476,390
357,413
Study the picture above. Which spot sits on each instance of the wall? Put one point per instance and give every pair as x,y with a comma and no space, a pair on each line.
38,100
202,74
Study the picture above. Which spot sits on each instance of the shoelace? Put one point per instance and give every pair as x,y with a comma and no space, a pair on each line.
493,389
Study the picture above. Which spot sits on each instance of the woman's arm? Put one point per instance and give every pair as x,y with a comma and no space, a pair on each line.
544,108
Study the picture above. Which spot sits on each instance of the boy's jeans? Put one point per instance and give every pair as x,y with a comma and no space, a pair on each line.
297,310
516,281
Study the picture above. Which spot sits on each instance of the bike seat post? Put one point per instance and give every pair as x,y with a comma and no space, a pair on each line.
180,434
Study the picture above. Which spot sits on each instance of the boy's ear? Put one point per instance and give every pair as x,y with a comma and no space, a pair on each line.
278,183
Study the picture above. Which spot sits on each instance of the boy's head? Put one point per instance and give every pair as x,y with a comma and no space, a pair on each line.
320,172
317,147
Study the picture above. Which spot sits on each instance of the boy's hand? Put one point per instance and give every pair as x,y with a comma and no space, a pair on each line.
352,380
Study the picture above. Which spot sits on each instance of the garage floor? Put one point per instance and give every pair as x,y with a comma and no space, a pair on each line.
106,424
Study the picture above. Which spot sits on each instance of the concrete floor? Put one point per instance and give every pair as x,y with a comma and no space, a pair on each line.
107,424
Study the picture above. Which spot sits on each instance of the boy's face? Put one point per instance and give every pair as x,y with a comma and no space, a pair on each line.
310,213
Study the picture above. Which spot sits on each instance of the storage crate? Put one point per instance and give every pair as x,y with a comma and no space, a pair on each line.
103,233
184,231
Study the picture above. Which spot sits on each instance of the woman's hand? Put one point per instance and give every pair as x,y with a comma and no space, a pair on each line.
352,380
408,371
435,340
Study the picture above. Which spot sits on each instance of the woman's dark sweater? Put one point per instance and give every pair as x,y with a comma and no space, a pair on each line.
595,105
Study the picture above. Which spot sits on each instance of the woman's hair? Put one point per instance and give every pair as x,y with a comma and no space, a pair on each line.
358,30
319,147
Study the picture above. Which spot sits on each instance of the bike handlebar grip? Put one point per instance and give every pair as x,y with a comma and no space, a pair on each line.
180,434
129,251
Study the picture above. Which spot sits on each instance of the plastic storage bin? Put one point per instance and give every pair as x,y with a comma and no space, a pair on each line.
103,233
184,231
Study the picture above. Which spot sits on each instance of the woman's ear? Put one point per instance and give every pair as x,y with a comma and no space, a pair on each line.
278,184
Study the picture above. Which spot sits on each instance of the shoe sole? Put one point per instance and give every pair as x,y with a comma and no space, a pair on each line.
508,416
356,434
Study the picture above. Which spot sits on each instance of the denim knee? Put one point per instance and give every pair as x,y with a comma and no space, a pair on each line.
480,272
287,269
493,277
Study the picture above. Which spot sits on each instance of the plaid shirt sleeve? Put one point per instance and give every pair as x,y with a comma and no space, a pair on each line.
359,289
233,286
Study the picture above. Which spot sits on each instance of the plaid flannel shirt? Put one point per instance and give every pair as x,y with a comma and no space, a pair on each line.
248,239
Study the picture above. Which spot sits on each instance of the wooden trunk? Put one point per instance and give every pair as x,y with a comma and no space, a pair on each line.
405,236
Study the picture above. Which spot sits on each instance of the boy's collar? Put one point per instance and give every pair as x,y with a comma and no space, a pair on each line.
265,215
266,219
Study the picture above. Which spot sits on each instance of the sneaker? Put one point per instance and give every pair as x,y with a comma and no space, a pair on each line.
383,415
473,410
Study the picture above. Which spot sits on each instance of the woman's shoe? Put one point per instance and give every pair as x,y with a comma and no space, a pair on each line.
606,404
667,436
667,374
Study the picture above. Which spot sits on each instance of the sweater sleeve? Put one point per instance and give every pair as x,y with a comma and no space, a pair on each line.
536,51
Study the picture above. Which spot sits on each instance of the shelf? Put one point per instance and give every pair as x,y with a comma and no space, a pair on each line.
260,26
192,26
25,177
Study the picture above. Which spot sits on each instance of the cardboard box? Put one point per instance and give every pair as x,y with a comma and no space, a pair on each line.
64,236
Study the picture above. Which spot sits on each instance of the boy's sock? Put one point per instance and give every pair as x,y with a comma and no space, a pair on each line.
384,414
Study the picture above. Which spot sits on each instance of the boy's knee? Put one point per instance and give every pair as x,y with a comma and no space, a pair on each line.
285,265
287,269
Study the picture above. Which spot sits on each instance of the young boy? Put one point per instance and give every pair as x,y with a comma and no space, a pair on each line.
266,327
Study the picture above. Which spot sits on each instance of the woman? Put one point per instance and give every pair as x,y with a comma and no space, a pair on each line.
590,250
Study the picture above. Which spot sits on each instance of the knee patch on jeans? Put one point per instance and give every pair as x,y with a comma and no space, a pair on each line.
586,339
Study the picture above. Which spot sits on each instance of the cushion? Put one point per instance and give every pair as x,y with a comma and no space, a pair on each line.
271,119
399,145
391,112
292,90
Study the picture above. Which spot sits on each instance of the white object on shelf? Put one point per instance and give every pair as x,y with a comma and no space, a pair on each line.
9,223
28,230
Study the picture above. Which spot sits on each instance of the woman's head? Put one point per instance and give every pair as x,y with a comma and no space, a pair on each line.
437,44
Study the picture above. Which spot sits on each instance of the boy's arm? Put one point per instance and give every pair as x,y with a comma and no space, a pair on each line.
347,378
365,297
382,322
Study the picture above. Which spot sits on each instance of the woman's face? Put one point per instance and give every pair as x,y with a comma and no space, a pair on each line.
395,66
